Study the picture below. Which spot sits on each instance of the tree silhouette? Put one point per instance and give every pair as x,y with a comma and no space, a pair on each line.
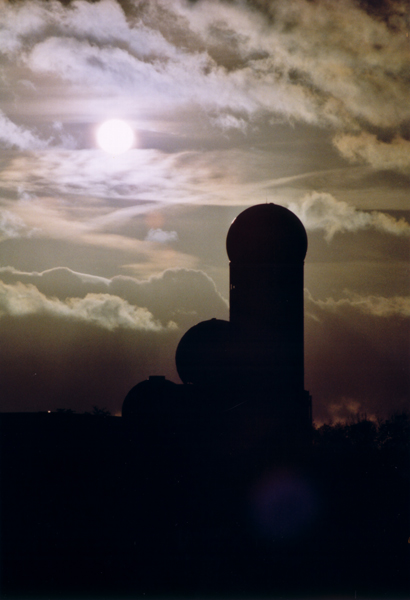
100,412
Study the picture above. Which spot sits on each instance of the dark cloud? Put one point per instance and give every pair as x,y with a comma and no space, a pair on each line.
71,340
393,13
184,296
58,283
357,356
48,362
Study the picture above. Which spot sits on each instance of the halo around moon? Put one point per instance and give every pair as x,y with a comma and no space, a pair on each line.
115,136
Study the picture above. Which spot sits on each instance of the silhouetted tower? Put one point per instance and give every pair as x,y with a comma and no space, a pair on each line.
266,245
253,363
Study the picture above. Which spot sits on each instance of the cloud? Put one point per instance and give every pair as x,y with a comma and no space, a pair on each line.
20,21
15,136
102,310
83,220
177,67
144,175
12,226
377,306
161,236
49,362
178,296
334,63
357,355
178,76
366,147
185,296
72,340
321,211
228,121
338,65
141,180
65,326
59,282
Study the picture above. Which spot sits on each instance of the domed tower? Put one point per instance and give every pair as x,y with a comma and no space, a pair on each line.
267,245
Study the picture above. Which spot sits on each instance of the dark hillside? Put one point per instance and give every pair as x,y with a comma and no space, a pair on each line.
96,506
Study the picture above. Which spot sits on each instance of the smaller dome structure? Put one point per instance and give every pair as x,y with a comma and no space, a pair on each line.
152,396
266,233
204,356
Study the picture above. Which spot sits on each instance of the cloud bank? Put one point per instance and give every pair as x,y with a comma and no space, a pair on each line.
102,310
340,65
357,355
61,327
72,340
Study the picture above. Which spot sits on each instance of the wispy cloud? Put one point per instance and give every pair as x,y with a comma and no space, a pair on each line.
378,306
229,121
322,63
16,136
12,226
382,155
321,211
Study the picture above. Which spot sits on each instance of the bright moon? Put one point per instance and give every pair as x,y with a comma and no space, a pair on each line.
115,136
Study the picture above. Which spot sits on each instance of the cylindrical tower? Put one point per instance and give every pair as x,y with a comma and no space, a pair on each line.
266,245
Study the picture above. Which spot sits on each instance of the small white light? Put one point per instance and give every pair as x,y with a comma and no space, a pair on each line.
115,136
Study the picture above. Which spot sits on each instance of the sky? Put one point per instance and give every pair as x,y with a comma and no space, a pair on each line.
107,260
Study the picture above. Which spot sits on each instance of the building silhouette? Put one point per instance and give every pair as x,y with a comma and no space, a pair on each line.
205,488
253,364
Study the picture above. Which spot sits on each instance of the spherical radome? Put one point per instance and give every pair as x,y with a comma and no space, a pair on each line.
152,396
204,353
266,233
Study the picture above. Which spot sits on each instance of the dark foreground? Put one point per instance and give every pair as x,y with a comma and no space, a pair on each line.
93,506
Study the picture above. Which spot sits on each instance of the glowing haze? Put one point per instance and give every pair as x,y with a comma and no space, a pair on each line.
107,257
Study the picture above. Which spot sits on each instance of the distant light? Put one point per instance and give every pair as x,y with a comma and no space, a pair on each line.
115,136
49,411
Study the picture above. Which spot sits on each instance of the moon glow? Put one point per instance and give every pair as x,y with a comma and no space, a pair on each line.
115,136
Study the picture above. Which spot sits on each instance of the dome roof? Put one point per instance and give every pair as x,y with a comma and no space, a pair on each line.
154,395
204,353
266,233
